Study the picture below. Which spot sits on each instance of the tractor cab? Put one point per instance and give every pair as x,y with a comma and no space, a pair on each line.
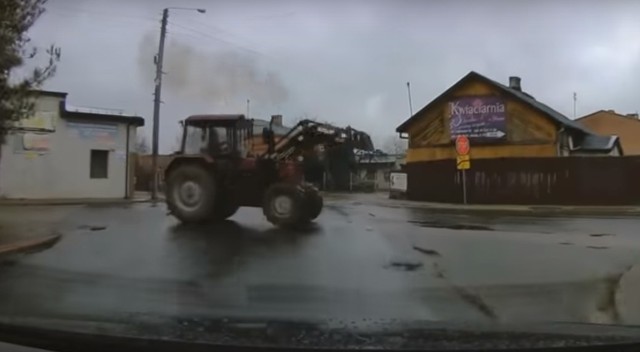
217,136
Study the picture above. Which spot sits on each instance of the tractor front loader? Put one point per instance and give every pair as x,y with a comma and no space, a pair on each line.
214,173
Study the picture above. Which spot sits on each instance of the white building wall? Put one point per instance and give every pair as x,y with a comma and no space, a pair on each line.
64,170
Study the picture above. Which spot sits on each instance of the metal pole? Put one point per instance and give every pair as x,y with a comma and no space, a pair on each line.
324,180
156,105
410,105
575,100
464,187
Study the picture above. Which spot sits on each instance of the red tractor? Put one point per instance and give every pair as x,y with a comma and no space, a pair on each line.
214,173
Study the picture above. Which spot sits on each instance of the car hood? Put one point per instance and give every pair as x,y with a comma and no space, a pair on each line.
193,334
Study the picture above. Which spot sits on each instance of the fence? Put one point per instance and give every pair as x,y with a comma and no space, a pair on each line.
561,181
144,176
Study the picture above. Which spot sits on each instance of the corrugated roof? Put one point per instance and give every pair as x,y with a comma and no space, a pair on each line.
379,159
49,93
594,142
214,117
100,116
545,109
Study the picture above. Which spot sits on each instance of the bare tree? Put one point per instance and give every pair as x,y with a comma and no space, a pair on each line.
394,145
142,145
16,93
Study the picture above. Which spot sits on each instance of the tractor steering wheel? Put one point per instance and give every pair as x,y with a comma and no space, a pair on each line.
224,147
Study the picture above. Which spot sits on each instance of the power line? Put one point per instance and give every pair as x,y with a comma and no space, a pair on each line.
308,69
207,35
100,13
97,23
221,30
171,34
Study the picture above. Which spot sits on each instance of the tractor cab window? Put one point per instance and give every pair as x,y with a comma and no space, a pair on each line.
208,140
219,140
195,140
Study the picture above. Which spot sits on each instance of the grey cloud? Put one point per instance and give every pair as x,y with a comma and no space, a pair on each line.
220,76
347,62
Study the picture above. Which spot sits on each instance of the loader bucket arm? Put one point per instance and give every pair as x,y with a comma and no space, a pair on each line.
308,133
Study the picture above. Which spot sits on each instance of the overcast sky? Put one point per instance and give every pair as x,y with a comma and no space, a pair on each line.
342,61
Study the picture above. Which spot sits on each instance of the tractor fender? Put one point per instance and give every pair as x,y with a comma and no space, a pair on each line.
204,160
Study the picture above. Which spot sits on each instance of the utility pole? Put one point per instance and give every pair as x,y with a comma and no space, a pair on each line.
156,105
410,105
575,101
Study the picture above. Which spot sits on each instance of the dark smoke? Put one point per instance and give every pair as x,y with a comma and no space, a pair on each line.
224,77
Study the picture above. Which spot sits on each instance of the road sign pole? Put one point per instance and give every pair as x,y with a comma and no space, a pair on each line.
464,186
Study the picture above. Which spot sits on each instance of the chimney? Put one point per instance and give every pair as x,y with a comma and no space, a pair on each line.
514,83
277,120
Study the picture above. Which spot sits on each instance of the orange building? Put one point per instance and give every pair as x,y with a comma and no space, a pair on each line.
608,122
257,143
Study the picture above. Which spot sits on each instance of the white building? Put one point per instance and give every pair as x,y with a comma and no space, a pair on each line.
375,168
64,153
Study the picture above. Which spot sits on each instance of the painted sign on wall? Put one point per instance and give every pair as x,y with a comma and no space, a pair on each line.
97,132
41,121
481,119
36,142
39,143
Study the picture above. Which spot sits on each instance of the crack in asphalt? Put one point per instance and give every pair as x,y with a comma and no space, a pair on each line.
405,266
601,234
431,252
466,295
439,225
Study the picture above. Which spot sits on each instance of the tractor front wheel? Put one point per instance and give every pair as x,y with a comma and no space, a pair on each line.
285,205
191,191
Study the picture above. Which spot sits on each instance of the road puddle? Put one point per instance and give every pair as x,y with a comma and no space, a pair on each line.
439,225
404,266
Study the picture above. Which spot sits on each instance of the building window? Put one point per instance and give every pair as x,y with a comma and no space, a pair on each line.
99,163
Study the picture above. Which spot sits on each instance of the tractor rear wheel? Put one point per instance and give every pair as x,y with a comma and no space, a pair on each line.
285,205
191,192
314,201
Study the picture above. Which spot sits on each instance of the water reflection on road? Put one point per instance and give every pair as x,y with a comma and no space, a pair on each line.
356,262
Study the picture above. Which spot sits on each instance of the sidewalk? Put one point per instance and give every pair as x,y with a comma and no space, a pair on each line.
138,197
29,229
382,199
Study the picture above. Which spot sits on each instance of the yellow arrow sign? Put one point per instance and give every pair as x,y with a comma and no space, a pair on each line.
463,162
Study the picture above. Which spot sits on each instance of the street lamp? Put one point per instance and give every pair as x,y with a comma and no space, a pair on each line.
156,100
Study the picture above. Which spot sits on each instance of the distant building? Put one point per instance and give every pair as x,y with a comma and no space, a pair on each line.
279,130
374,168
609,122
65,152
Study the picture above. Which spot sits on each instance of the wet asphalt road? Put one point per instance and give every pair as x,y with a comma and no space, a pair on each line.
358,264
